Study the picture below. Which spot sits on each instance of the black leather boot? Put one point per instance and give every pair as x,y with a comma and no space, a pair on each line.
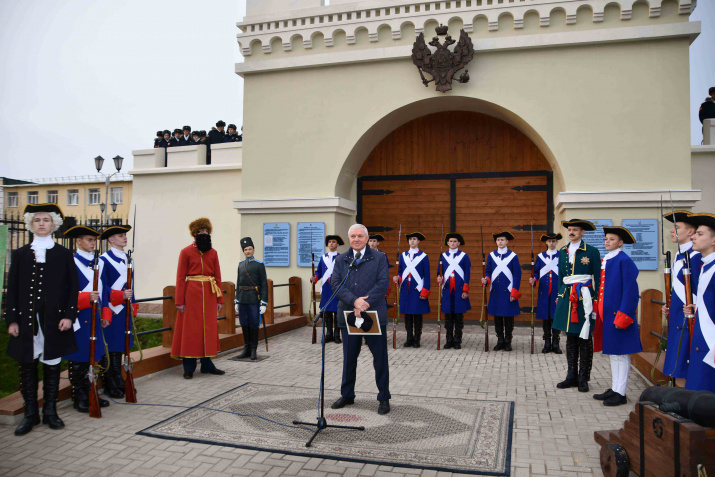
547,336
254,343
508,332
328,317
449,330
28,389
246,343
113,384
555,338
499,329
409,322
336,333
585,348
51,390
80,390
572,363
458,327
418,330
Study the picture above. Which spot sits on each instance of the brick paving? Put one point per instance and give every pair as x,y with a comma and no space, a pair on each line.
553,429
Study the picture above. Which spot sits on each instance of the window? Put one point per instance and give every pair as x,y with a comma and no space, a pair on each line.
73,197
94,223
12,199
52,196
116,222
32,197
94,197
117,195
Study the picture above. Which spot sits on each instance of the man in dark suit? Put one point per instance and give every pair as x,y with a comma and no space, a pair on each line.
176,140
185,140
166,142
216,136
364,290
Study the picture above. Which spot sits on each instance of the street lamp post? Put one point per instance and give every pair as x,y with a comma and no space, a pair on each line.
98,163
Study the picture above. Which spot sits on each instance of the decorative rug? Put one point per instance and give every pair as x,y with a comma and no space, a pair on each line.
455,435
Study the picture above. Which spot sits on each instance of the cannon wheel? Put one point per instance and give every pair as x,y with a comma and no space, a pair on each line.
614,460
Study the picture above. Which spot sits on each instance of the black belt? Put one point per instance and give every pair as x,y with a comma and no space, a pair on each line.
248,288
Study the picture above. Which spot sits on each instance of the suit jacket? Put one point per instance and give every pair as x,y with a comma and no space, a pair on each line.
185,142
216,136
369,278
59,288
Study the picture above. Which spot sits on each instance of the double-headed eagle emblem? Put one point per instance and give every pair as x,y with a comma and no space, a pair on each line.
443,63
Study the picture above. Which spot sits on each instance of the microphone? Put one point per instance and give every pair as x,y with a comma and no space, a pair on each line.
354,262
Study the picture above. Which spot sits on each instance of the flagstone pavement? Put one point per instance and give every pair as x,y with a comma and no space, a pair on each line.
553,429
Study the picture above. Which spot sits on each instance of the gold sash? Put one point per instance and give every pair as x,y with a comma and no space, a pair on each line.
205,278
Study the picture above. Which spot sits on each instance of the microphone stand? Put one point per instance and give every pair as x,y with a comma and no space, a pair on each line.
322,422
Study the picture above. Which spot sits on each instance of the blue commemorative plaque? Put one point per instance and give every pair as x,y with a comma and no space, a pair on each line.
307,232
596,237
645,251
276,244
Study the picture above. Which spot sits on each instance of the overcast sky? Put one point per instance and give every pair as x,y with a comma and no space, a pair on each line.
81,78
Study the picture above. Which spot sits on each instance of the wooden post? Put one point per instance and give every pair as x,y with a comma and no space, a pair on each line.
295,295
651,319
228,326
169,313
269,308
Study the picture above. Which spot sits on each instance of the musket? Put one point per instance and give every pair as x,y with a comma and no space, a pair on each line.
94,410
667,275
532,288
686,283
312,269
439,298
130,392
484,320
397,292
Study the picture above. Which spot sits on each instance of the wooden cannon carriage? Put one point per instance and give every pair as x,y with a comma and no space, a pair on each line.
653,443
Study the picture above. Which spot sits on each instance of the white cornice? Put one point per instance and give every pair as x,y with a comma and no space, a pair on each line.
543,40
172,170
620,199
298,205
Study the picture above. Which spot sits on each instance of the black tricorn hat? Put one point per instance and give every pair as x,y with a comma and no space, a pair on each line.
680,216
622,232
187,127
246,242
504,234
79,231
48,207
220,123
584,224
454,235
366,324
377,237
702,219
419,235
114,230
551,236
232,126
334,237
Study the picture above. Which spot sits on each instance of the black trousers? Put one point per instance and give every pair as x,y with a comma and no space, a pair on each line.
351,350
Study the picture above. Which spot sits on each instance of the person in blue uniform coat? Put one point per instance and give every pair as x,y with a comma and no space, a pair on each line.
455,265
374,243
185,140
616,332
701,369
324,272
677,351
504,277
114,295
78,362
414,282
546,275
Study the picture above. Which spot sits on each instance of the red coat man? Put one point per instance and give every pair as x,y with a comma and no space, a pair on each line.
199,299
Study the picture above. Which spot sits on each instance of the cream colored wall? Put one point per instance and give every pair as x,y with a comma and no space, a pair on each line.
82,210
703,164
166,204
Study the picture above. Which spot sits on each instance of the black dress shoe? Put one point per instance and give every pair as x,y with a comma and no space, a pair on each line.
188,375
409,343
215,371
567,383
103,403
448,345
583,386
342,402
603,396
416,344
384,407
457,345
615,400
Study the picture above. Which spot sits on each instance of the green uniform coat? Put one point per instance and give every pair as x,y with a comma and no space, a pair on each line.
587,261
257,271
